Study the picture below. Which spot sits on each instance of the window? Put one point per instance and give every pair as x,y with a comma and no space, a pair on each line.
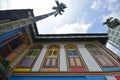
117,34
118,41
114,39
109,31
119,28
75,62
72,52
26,64
111,38
50,63
113,32
100,57
94,50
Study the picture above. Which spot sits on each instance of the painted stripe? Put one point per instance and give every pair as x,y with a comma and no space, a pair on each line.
110,78
63,64
8,39
112,69
38,63
8,34
117,77
95,78
78,69
11,56
22,69
89,60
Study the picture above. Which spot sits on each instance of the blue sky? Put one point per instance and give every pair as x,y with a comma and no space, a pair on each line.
81,16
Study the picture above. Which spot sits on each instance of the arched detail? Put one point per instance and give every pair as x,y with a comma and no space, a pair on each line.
93,48
90,45
70,46
74,59
53,45
53,51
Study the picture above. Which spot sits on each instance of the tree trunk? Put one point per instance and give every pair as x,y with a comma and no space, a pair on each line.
9,26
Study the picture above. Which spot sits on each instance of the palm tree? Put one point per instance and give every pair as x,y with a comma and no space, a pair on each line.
112,22
24,22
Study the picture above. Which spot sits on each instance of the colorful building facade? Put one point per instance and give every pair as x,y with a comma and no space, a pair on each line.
56,56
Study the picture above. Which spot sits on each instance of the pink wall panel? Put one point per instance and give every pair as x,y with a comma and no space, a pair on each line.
72,63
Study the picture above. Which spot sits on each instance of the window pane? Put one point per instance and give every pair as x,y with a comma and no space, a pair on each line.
50,53
55,53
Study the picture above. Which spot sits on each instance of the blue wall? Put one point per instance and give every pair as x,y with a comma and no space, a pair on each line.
57,78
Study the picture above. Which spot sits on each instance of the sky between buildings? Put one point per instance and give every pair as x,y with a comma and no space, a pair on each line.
81,16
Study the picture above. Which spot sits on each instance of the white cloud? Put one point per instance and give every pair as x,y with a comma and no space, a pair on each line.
116,51
111,1
73,28
114,9
39,6
96,4
102,4
4,4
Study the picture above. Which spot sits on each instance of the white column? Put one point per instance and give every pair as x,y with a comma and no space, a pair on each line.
38,63
89,60
63,64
